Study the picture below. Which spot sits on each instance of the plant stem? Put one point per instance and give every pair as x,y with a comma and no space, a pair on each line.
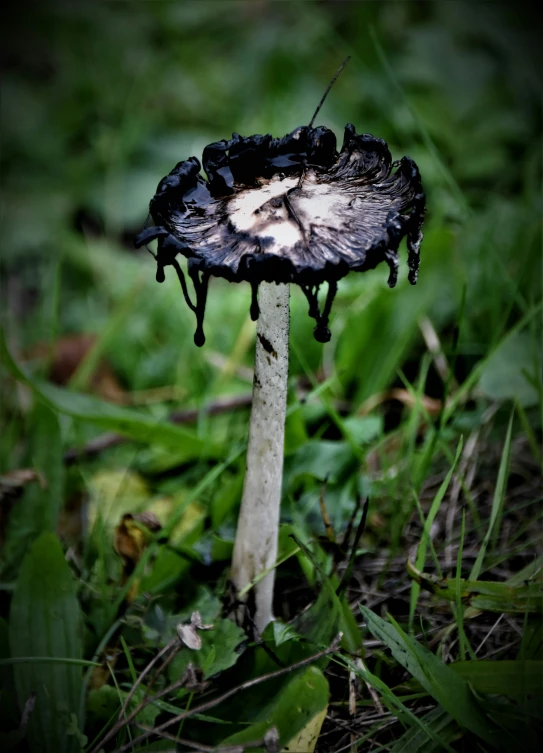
255,549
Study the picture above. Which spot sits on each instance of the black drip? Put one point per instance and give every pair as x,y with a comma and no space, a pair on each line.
321,332
311,293
255,308
391,258
200,288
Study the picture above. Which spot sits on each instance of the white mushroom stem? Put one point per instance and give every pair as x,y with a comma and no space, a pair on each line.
255,549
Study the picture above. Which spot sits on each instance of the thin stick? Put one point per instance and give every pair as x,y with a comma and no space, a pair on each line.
206,748
330,85
106,441
352,706
358,535
148,668
120,721
378,705
146,702
229,693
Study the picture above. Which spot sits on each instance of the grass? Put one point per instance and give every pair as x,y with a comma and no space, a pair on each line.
428,400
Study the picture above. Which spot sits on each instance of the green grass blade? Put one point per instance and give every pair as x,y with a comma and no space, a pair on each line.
459,610
439,680
396,706
130,423
497,503
425,537
416,740
513,678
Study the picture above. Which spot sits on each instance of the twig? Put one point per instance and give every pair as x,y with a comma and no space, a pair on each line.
146,702
433,344
352,704
205,748
121,722
489,633
244,686
171,644
190,415
358,535
375,698
330,85
350,522
159,670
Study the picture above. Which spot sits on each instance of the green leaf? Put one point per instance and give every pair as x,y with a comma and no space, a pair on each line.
511,678
485,595
506,374
364,429
305,741
47,459
320,623
532,639
283,633
102,704
45,622
440,681
40,505
219,651
437,727
224,640
397,707
321,459
130,423
297,703
352,639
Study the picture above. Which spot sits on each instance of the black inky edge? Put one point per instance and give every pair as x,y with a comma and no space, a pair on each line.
363,167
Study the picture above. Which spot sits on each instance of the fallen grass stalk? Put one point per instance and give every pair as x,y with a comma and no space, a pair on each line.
238,748
122,719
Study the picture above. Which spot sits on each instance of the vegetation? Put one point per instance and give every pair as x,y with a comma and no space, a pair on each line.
412,622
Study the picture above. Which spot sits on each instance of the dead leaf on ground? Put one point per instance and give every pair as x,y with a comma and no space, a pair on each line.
13,482
430,404
131,538
64,357
188,633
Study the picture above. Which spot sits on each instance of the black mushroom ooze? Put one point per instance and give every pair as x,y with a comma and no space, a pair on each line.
287,210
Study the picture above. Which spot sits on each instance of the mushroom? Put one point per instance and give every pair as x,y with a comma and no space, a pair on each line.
275,211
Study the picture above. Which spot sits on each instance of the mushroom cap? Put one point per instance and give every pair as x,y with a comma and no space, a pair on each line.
289,210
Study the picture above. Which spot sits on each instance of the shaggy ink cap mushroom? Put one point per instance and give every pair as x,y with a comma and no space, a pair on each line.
275,211
287,210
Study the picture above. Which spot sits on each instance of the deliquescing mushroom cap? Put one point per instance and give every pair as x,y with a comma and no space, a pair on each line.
287,210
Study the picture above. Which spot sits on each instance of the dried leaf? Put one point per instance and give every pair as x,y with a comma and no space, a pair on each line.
188,633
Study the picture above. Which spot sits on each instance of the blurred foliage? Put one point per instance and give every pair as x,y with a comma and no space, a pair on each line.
99,101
